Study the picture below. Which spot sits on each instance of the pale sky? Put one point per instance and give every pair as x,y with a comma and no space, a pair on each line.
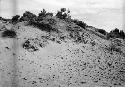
104,14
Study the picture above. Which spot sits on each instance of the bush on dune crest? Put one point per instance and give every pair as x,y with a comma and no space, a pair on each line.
28,16
63,13
116,33
15,19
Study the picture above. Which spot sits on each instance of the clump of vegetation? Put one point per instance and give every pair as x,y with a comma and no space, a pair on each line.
43,14
116,33
9,34
42,26
101,31
28,16
63,14
30,47
15,19
80,23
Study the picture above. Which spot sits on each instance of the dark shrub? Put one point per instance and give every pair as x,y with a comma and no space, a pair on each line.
116,30
109,35
28,16
49,14
80,23
9,34
43,14
64,16
42,26
15,18
45,27
116,34
59,15
63,9
28,46
102,31
122,34
63,13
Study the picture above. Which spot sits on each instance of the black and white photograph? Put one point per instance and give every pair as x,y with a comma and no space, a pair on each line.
62,43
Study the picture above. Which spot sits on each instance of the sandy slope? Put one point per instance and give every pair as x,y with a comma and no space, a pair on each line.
63,64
